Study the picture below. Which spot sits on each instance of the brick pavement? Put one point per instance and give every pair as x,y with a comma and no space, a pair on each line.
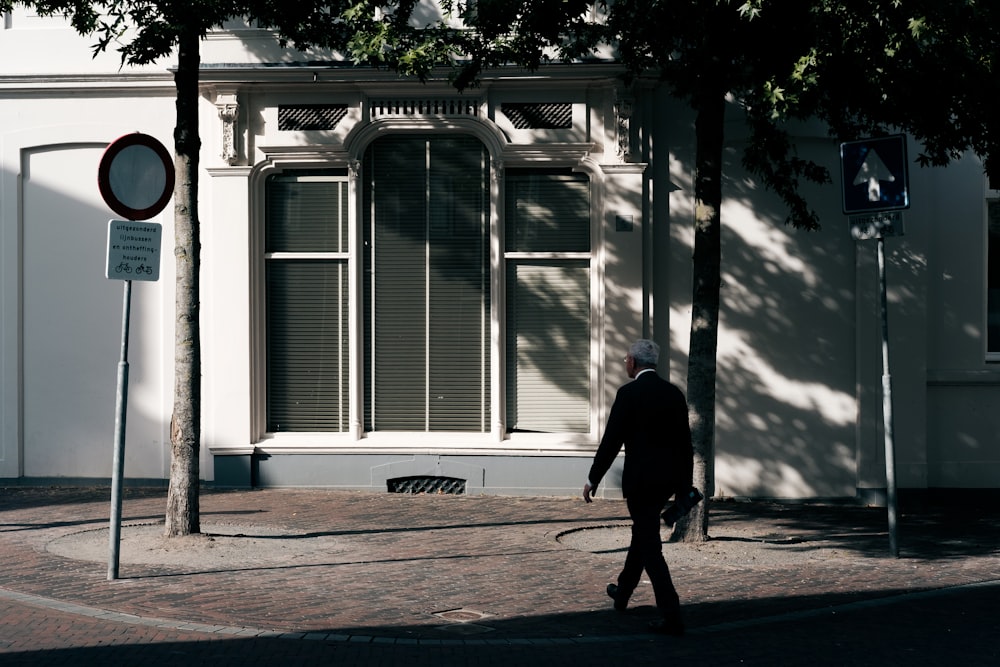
452,580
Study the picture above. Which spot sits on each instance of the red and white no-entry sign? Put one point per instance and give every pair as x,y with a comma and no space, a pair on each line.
136,176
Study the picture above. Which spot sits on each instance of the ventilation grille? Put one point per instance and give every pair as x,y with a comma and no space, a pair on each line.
427,484
453,106
539,115
305,117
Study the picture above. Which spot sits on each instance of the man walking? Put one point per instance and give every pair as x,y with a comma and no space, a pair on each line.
650,418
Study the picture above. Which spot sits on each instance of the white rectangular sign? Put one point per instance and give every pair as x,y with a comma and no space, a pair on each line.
133,250
874,225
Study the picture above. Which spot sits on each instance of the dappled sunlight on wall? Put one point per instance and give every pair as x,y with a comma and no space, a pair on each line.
786,406
680,340
748,477
776,248
780,436
835,407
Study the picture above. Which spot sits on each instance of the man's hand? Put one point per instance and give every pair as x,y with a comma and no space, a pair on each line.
588,492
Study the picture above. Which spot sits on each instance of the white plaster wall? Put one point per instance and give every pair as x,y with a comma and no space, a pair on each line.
30,44
786,411
225,298
963,423
62,316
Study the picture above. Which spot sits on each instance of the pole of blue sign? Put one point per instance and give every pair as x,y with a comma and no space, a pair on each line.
890,456
118,460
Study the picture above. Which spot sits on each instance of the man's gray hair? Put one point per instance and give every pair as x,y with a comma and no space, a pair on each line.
645,352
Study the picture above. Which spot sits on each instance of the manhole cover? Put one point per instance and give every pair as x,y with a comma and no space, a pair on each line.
461,621
460,615
465,628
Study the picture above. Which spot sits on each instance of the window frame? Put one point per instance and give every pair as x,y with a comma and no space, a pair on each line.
339,257
497,441
550,259
432,224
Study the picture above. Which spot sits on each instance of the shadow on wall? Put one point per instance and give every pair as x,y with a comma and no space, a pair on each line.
787,411
72,325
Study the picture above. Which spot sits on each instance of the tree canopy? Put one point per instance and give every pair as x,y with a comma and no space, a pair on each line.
867,67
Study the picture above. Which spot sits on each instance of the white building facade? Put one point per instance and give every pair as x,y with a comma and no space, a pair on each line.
404,285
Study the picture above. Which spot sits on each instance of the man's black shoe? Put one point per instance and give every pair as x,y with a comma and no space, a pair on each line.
620,602
670,624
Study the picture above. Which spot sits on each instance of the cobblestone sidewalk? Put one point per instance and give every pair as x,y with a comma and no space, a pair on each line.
361,578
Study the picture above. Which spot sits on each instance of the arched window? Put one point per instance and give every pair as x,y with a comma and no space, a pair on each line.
425,232
425,297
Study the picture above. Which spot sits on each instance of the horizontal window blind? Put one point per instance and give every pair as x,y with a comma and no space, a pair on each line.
426,292
547,212
306,214
307,313
547,315
307,346
548,347
397,367
458,332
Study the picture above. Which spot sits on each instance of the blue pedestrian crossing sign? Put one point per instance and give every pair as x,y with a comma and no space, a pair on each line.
874,173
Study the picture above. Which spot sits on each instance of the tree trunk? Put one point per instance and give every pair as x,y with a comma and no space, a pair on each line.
183,514
707,260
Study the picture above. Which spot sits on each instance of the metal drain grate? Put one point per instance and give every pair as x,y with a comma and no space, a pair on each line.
426,484
304,117
539,116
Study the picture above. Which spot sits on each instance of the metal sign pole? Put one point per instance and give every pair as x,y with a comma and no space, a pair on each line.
890,455
118,461
876,185
136,180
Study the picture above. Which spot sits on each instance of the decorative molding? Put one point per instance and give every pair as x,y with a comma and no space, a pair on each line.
364,133
564,154
624,168
229,111
306,155
434,107
240,171
623,115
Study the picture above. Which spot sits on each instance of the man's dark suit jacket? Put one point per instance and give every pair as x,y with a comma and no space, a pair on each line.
650,418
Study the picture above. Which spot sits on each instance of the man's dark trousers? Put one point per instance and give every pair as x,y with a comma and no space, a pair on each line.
646,552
